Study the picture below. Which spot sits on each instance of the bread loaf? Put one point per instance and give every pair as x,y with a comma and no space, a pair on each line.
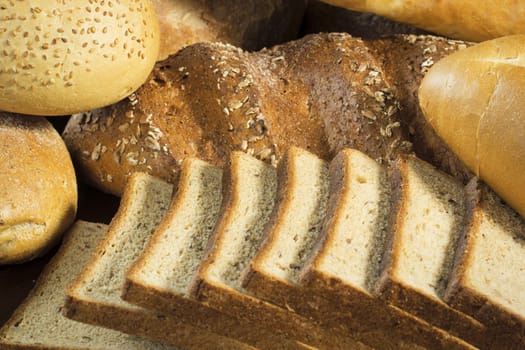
250,24
467,20
38,187
474,100
62,57
323,93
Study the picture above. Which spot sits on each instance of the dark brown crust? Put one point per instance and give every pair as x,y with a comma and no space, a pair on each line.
323,93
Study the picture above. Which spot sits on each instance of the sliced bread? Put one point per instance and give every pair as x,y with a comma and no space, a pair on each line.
489,272
39,324
426,223
294,228
95,297
248,205
346,262
161,278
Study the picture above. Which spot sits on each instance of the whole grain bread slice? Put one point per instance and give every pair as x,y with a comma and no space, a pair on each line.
489,271
250,193
426,223
346,261
39,324
161,278
266,279
95,297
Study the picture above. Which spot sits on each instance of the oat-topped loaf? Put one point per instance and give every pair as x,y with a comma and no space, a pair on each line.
322,93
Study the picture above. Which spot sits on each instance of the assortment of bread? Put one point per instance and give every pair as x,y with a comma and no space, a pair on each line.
149,84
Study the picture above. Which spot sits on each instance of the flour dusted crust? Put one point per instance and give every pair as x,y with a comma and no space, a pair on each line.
38,187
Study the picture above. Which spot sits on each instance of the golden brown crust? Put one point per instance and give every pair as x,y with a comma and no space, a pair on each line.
505,327
37,185
490,116
457,19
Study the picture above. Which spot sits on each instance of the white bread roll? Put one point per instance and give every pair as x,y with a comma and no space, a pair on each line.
64,57
38,188
459,19
475,100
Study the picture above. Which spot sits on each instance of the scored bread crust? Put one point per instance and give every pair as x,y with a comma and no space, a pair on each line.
129,318
183,306
38,187
211,99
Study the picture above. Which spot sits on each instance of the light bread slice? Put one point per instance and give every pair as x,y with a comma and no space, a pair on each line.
161,278
39,324
294,228
488,278
248,205
342,272
427,220
95,297
302,183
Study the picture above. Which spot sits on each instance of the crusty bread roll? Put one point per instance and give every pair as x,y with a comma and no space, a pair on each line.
37,187
475,100
64,57
466,20
249,24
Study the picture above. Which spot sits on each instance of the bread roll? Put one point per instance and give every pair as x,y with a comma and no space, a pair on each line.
466,20
63,57
37,187
475,100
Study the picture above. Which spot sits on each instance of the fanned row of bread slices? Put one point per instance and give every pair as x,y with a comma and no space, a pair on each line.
308,255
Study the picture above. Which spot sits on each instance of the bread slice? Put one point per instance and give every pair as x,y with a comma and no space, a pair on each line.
294,228
95,296
39,324
248,204
489,271
342,272
161,278
426,224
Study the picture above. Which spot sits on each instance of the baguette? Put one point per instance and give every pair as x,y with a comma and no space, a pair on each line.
211,99
466,20
474,100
